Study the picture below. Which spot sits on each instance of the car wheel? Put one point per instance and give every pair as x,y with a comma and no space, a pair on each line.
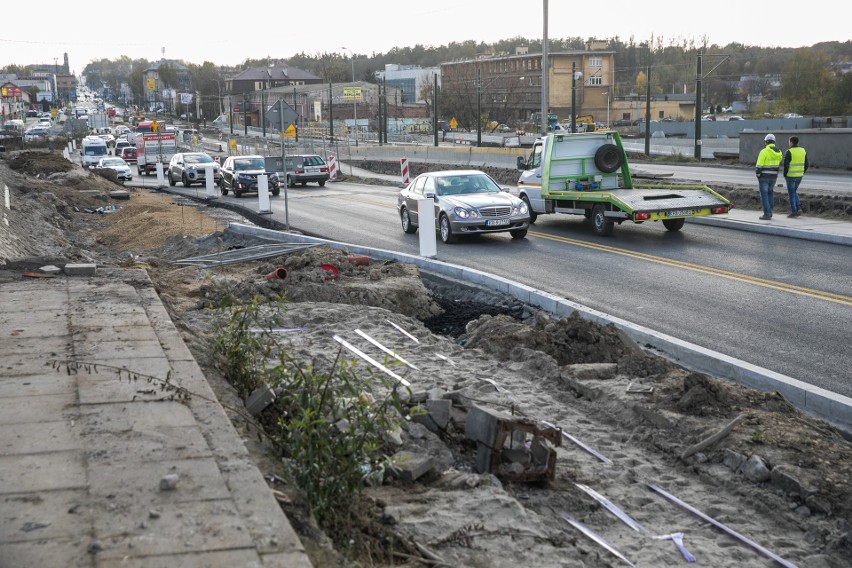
290,182
518,233
222,187
447,235
405,218
322,183
673,224
603,225
275,191
183,179
138,169
236,190
172,182
533,214
303,183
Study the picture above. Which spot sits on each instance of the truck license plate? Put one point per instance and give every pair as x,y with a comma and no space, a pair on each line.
680,213
496,222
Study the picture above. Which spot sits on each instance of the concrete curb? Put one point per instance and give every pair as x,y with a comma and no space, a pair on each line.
802,234
829,406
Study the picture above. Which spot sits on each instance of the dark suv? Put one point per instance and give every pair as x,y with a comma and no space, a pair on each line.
191,167
304,168
239,174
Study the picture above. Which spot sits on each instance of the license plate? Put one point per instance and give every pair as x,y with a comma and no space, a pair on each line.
312,170
496,222
680,213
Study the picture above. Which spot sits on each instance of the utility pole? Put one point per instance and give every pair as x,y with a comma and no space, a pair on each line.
435,109
573,97
479,107
544,77
648,110
698,109
245,115
330,113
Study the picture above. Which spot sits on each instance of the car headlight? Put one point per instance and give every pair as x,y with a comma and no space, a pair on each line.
463,213
520,209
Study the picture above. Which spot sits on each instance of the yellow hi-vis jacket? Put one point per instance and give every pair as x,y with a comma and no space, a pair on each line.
796,162
769,160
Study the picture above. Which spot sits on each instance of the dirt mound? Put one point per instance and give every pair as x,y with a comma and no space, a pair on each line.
40,163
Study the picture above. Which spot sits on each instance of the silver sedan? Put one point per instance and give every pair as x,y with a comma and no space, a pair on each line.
467,202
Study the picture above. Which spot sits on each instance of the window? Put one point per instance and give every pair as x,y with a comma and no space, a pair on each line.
595,62
594,81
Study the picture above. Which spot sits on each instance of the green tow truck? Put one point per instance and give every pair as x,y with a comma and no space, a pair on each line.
587,174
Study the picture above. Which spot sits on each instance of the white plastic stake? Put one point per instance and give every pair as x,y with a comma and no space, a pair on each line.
426,222
161,181
370,360
208,180
385,349
411,337
263,193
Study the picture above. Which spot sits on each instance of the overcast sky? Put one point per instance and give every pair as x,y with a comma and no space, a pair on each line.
198,32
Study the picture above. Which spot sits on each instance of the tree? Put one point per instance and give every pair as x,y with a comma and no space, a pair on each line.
803,81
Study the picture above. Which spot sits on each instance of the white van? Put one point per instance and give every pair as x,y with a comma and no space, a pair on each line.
94,148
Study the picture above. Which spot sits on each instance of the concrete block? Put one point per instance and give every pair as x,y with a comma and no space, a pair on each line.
785,480
260,398
733,460
82,269
411,466
50,269
483,424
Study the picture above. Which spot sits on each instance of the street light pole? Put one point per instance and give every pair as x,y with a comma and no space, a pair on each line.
574,76
607,109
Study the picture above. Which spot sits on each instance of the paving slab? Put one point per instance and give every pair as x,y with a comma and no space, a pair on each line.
84,448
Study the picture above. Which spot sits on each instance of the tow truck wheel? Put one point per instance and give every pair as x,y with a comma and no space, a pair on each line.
405,218
608,158
447,236
673,224
533,214
603,224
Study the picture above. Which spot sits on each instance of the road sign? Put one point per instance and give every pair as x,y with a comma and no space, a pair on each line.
352,93
290,132
273,114
453,123
154,126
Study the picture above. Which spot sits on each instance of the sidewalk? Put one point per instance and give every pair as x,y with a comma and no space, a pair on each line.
84,458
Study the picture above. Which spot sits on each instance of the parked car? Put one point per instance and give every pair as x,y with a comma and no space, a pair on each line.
36,133
108,138
735,117
304,168
467,202
191,167
122,129
239,174
45,122
128,154
118,165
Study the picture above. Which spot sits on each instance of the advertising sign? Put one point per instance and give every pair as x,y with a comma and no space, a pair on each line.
351,93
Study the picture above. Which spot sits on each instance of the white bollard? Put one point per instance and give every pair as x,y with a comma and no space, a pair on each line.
66,154
426,218
73,145
161,180
263,194
208,180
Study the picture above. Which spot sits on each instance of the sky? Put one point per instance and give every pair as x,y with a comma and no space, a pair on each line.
282,29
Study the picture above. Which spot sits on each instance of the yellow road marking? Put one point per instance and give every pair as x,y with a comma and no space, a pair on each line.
780,286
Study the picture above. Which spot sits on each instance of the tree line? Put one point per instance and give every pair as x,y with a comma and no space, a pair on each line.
809,80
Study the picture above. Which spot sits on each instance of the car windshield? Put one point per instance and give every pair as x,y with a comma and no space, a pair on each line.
95,150
198,159
114,162
250,164
466,184
313,161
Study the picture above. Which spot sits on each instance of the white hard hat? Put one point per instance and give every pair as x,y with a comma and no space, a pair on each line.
769,138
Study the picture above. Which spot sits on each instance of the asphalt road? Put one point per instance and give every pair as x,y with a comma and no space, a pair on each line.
778,303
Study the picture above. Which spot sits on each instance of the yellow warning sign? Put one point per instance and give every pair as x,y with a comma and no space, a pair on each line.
154,125
454,123
232,145
290,132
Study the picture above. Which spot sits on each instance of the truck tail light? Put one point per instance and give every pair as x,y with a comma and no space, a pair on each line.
299,171
641,216
718,210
